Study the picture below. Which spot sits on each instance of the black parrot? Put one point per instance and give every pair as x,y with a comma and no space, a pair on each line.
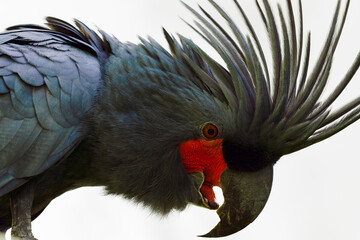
79,108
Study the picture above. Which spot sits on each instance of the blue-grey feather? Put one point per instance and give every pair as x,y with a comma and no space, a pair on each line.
89,73
5,61
9,183
21,60
10,80
66,77
9,128
29,164
6,109
76,98
65,105
52,83
5,177
19,107
54,53
24,136
6,37
4,71
10,51
42,110
3,88
27,73
45,65
70,137
23,92
55,110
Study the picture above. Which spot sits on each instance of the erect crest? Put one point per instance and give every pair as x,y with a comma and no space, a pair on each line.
283,111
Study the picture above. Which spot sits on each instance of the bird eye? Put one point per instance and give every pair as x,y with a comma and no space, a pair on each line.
210,131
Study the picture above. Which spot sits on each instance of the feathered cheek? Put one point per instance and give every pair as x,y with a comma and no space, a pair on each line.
204,156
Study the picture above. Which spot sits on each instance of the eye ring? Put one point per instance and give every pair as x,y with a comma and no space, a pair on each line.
210,131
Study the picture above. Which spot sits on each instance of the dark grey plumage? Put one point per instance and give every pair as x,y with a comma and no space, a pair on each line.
148,147
81,109
145,82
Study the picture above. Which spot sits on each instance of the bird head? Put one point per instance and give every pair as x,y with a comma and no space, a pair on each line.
272,116
182,123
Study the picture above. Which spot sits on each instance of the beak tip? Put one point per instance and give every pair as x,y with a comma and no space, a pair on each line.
204,235
245,197
221,230
209,235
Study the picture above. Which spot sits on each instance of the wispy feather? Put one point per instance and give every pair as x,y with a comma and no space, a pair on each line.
282,111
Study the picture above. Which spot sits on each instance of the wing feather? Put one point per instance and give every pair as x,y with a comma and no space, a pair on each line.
19,107
5,61
47,85
9,50
27,73
23,92
9,79
24,136
3,87
41,149
7,109
65,106
55,110
42,110
8,127
53,85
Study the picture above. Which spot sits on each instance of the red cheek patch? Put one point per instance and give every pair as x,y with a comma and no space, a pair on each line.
207,157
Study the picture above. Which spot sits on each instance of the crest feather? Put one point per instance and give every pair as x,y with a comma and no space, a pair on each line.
283,111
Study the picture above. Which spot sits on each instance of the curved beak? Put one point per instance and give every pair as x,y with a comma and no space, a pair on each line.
246,194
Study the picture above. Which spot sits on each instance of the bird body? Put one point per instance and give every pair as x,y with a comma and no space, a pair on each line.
154,103
162,128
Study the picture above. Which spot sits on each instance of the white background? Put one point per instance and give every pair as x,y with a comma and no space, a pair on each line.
315,193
